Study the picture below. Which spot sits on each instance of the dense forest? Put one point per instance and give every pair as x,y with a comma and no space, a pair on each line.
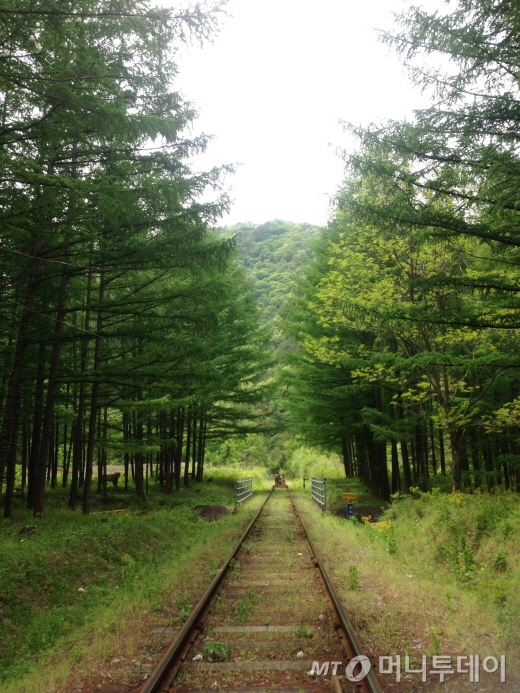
407,319
127,332
135,329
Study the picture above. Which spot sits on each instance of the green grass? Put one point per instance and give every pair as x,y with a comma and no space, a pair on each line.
309,462
219,491
54,580
244,607
217,651
471,540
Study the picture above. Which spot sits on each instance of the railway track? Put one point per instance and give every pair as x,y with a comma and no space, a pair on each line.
269,618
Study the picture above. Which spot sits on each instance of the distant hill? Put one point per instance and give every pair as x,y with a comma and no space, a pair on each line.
273,255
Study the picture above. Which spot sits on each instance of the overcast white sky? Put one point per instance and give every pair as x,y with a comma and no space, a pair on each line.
272,88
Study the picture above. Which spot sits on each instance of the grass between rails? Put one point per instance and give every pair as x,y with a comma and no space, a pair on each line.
128,564
438,574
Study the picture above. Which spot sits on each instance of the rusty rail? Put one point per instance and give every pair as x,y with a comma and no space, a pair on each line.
370,681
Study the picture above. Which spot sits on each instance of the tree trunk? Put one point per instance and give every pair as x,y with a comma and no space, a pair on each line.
126,456
442,453
188,446
488,459
67,453
52,382
77,455
178,449
382,473
407,472
169,462
421,457
432,445
102,456
138,460
456,451
396,481
54,468
362,457
464,463
11,416
413,456
25,446
345,453
194,446
37,427
91,441
352,456
200,446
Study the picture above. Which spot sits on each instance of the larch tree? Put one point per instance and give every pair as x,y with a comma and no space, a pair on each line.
108,250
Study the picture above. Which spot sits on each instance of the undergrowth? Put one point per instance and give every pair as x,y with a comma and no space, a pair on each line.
471,540
56,573
437,572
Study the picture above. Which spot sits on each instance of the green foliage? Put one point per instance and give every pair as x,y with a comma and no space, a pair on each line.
500,562
310,462
391,542
245,606
77,653
184,608
407,318
465,529
353,577
110,254
463,546
253,450
435,634
274,254
303,632
217,651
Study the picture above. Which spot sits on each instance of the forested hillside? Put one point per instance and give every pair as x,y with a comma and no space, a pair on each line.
273,255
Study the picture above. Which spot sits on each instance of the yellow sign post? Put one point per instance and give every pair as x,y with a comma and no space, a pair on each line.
350,497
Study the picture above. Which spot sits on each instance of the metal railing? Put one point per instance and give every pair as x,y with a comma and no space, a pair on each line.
243,490
319,492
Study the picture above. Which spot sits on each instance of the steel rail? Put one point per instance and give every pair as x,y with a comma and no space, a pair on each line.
370,679
175,651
